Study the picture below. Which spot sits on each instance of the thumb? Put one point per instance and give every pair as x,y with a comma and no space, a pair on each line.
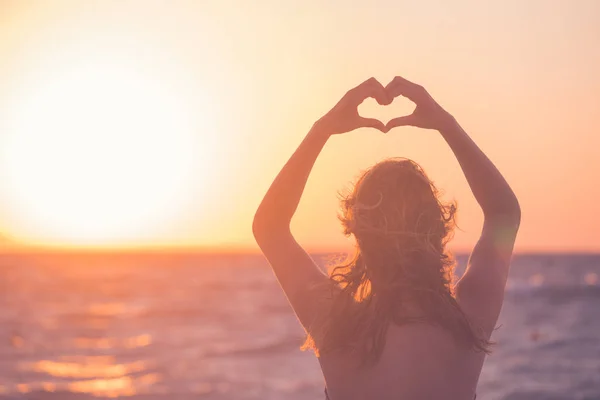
371,123
406,120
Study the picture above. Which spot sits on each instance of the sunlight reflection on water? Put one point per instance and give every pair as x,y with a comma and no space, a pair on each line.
104,367
108,343
113,387
97,376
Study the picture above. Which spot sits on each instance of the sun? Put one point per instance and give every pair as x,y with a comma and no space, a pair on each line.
98,154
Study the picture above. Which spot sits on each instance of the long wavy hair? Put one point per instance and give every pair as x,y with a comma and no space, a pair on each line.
401,271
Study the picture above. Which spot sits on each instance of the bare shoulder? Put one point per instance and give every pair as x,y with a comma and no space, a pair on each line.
304,283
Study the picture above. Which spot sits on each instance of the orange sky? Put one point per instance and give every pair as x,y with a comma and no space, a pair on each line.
219,93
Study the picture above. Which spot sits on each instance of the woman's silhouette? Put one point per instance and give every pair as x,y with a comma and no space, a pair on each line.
391,324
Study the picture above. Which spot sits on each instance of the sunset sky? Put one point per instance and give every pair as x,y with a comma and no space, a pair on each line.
158,123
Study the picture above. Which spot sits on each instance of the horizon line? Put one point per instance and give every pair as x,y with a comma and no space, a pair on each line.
233,250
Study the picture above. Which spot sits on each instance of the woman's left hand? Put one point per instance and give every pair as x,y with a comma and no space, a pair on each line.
344,116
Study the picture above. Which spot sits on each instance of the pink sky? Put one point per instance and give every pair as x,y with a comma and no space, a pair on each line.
521,77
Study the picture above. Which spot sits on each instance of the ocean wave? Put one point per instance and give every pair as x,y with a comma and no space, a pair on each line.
264,348
556,292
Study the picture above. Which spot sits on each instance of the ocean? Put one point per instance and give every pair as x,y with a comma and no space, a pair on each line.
185,326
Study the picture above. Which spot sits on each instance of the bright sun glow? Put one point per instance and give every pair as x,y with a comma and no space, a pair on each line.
98,154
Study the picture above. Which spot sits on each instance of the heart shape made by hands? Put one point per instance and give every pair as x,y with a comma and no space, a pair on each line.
399,106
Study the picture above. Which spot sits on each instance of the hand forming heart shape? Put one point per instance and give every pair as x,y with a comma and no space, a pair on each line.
344,116
371,108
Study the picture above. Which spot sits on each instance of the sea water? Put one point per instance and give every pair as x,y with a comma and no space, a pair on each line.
188,326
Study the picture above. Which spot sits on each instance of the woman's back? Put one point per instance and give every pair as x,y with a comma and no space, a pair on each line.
419,361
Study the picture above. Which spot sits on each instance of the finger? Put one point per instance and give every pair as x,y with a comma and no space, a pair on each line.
399,81
406,120
370,88
371,123
401,86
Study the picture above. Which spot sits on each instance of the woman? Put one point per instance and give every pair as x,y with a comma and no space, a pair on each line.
390,324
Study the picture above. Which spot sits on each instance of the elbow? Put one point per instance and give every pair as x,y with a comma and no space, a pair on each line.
258,227
513,212
260,223
513,218
264,228
518,212
509,214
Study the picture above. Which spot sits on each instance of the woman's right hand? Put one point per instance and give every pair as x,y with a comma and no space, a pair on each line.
344,116
428,114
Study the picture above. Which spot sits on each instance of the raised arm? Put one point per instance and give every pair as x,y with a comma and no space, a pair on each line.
481,289
293,267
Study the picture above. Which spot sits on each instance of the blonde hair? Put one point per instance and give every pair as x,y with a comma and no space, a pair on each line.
401,228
